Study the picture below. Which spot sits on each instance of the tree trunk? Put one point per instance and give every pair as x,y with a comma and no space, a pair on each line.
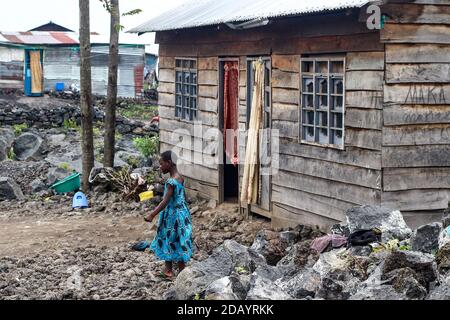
110,115
87,137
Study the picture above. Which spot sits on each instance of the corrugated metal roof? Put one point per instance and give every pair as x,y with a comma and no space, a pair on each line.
51,38
3,39
199,13
51,26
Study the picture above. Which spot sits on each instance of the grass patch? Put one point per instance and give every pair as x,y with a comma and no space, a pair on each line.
139,112
71,124
11,154
65,166
18,128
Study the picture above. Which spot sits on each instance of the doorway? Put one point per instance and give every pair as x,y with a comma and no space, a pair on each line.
34,77
228,124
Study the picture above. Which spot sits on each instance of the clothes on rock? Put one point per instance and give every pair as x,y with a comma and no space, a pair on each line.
357,238
364,237
173,241
321,244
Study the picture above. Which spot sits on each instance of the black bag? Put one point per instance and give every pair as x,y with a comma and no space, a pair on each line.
364,237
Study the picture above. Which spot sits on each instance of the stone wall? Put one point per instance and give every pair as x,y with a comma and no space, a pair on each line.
52,114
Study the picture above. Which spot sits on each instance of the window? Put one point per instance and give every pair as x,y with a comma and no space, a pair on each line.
186,89
322,101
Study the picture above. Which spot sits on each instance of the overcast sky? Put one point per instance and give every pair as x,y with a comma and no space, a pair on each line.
23,15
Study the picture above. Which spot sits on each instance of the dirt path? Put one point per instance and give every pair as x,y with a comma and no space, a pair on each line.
87,256
30,235
24,235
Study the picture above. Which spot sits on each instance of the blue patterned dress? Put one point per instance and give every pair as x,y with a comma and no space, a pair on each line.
173,241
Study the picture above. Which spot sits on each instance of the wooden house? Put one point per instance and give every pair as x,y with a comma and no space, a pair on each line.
363,113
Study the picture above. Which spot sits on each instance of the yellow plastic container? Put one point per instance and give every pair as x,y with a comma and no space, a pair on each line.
145,196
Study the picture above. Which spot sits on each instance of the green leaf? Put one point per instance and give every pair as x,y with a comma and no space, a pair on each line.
132,12
106,4
119,27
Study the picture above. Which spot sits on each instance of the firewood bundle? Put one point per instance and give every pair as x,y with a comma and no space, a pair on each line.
129,184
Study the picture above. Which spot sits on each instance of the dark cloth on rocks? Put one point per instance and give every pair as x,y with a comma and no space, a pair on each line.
364,237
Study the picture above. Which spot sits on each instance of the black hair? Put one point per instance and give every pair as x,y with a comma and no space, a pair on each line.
169,156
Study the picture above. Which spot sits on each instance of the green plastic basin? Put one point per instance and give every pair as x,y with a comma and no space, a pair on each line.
69,184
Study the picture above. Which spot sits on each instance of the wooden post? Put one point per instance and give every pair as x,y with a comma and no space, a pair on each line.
87,140
110,114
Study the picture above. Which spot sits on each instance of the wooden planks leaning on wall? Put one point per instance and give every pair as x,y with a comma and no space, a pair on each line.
416,114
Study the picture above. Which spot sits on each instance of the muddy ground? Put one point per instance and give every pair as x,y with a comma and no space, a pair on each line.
50,252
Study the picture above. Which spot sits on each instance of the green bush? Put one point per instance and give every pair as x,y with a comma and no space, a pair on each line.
133,162
99,151
100,157
151,177
96,132
70,124
18,128
147,146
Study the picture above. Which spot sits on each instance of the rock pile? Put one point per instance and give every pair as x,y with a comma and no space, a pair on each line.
282,265
36,158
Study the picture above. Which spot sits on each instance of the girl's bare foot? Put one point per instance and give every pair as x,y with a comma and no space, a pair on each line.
168,274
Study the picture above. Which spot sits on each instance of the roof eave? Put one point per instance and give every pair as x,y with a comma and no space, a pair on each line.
139,30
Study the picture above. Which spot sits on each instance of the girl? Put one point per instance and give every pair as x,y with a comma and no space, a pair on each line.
173,241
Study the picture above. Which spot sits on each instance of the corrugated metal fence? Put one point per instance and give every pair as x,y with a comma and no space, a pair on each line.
63,65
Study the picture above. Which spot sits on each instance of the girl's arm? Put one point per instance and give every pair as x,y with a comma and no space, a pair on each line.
162,205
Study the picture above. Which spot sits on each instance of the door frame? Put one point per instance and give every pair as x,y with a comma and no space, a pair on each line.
220,125
27,69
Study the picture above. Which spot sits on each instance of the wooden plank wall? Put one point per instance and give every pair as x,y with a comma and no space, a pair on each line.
316,185
202,174
416,113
